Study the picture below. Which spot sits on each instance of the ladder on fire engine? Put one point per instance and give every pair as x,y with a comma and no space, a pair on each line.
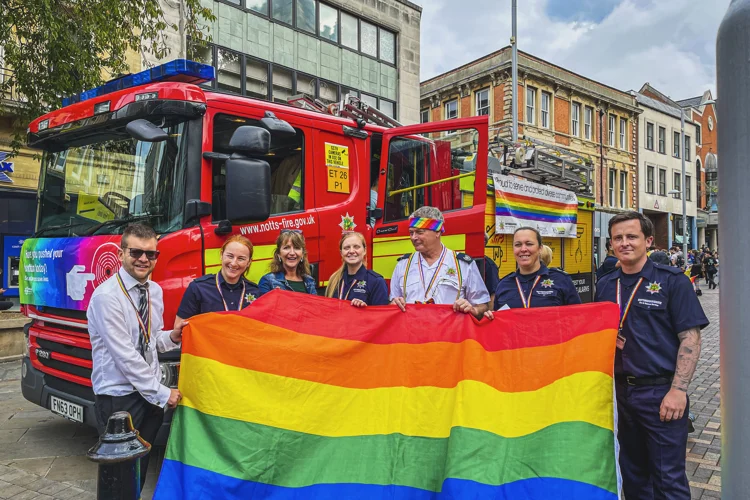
349,107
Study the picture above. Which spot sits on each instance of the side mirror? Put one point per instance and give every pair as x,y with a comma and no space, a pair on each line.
248,184
195,209
145,131
277,127
249,139
375,213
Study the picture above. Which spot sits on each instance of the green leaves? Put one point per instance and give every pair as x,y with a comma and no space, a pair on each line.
50,49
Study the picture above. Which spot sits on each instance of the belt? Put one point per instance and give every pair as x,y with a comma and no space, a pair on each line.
631,380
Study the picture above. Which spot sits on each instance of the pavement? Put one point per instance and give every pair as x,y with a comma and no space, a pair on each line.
43,456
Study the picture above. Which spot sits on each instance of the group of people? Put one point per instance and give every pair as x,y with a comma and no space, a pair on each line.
658,342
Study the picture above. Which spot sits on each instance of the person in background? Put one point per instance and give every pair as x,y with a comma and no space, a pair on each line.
125,328
290,269
710,263
353,281
660,257
227,290
545,255
491,273
609,264
696,271
532,284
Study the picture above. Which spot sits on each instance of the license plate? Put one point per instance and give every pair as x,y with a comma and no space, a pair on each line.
41,353
66,409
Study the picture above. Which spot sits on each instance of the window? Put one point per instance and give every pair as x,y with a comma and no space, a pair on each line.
662,182
451,109
623,188
287,162
349,31
662,140
676,183
282,10
387,46
676,147
256,79
228,71
650,136
306,15
328,92
369,39
623,134
260,6
530,105
546,100
483,102
698,134
195,52
424,116
650,179
588,116
307,85
370,100
387,108
328,25
687,148
612,182
282,84
688,188
575,115
612,125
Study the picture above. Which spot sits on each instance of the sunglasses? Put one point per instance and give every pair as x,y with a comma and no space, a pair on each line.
137,253
298,231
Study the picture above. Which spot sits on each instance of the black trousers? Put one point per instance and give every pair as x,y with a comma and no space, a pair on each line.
147,418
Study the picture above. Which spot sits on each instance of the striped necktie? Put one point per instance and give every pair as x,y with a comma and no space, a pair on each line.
143,311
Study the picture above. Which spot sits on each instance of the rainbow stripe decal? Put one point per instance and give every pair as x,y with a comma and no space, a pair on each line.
427,404
553,211
427,223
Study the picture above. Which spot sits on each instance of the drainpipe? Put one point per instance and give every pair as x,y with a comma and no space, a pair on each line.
601,157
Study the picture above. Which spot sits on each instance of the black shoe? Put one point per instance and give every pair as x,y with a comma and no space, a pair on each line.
691,419
699,293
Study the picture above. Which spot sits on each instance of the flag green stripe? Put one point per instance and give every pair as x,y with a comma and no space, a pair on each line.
570,450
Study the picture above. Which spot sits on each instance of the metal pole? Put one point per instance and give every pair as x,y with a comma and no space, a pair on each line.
684,186
514,64
733,106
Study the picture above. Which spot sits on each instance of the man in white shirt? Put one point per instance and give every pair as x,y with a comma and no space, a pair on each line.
435,274
125,327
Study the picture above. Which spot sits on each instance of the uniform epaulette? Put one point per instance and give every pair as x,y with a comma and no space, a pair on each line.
607,273
512,273
464,257
373,273
671,269
405,256
558,270
206,277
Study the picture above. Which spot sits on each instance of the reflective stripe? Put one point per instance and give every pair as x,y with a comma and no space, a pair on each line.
262,255
387,250
295,194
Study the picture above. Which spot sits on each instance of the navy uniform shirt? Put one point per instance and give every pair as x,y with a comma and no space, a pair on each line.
202,296
554,288
491,278
365,285
663,306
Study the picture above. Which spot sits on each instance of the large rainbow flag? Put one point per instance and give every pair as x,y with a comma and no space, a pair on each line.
301,397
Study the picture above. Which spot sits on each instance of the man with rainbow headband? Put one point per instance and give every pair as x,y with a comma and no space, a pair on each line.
435,274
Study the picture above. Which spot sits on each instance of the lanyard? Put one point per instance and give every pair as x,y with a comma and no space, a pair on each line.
341,289
624,312
146,330
242,297
527,302
434,275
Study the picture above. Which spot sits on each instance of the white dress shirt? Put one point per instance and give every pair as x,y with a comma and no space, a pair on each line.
445,288
119,369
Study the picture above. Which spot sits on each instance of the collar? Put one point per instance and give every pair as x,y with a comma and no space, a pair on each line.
227,285
128,280
442,247
647,271
359,275
542,271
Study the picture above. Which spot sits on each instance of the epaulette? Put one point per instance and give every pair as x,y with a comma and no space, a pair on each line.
373,273
557,269
405,256
513,273
464,257
206,277
671,269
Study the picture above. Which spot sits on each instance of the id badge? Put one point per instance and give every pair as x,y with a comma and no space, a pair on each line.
620,342
148,355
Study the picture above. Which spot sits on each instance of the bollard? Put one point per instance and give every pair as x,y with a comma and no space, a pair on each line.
118,454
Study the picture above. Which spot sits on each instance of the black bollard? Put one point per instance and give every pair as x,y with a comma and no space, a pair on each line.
118,454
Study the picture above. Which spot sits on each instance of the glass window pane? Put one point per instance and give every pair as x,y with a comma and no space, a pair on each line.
306,15
370,100
282,10
387,46
282,84
387,108
256,79
349,31
307,85
228,71
258,6
369,39
195,52
329,23
328,92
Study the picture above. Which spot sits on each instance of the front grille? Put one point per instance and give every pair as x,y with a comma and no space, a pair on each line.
76,352
66,387
66,367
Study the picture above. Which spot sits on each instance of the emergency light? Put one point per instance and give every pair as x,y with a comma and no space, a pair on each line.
179,70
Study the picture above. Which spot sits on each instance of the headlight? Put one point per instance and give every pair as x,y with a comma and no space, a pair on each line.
170,373
26,345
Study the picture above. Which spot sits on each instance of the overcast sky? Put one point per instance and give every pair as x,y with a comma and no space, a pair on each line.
622,43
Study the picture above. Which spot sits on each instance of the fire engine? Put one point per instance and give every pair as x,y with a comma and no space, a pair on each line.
196,164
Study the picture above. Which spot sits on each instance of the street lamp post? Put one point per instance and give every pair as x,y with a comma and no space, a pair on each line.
684,186
514,71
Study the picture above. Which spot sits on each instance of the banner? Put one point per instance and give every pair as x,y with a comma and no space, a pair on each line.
307,397
518,203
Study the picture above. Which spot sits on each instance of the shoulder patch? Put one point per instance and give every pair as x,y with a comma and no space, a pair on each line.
464,257
670,269
405,256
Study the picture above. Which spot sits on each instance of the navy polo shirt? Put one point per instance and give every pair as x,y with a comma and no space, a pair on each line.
664,305
370,287
554,288
202,296
491,278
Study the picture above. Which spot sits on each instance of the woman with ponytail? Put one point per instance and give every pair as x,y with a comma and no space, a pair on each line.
353,281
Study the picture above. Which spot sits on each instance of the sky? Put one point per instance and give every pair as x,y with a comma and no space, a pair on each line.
622,43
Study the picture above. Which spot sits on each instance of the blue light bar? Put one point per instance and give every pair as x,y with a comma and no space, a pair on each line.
179,70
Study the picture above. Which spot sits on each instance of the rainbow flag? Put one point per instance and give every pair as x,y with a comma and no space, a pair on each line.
301,397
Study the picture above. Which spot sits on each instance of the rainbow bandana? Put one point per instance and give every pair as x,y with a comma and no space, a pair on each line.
426,223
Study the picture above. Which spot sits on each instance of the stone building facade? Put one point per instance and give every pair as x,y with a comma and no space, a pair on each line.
274,49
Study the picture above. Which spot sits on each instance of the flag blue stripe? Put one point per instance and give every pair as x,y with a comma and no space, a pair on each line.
180,481
519,214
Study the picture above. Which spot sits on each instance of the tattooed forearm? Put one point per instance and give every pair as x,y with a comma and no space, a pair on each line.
687,358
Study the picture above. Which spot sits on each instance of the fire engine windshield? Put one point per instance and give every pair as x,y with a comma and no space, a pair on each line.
99,186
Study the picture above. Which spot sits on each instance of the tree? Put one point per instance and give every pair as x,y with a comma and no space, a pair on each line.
56,48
